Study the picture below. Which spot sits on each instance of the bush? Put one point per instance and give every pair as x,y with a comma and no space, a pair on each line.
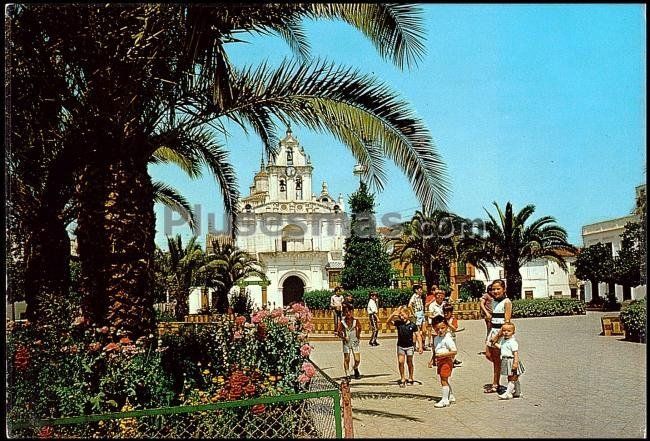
546,307
388,297
471,290
611,303
634,320
242,303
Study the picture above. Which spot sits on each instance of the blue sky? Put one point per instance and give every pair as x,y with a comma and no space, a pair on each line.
532,104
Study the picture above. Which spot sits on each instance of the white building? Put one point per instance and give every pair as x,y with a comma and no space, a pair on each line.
609,233
541,278
297,235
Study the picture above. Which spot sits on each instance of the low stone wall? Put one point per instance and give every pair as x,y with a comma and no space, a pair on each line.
323,320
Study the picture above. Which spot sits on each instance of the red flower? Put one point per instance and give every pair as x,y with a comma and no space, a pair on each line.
94,346
249,389
46,432
125,341
240,320
22,358
111,347
258,409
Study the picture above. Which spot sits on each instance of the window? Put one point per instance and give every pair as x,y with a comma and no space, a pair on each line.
248,208
298,187
283,185
334,278
557,293
461,268
289,156
417,269
528,294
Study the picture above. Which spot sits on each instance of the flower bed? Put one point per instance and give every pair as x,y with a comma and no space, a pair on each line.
82,370
635,318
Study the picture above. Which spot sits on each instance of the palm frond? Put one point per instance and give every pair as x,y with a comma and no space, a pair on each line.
168,196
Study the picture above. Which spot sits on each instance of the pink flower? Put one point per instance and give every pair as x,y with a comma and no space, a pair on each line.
305,350
104,330
309,369
94,346
277,312
303,378
308,327
237,335
240,320
283,320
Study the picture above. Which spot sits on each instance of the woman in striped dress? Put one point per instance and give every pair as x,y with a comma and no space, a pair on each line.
501,313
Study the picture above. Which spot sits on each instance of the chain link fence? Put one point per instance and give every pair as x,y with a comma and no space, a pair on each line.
315,413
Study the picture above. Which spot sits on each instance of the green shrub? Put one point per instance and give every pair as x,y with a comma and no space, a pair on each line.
388,297
634,320
546,307
471,290
611,303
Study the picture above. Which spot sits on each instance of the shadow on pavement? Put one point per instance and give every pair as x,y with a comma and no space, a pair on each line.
388,415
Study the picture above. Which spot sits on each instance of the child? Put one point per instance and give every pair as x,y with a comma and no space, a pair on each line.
405,330
452,323
443,353
349,331
511,365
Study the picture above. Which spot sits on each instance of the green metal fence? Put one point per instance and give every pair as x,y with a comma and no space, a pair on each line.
315,413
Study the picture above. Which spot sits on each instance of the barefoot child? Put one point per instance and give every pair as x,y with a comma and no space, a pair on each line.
405,331
511,365
349,331
444,351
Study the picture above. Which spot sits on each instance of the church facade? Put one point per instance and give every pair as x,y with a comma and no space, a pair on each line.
296,234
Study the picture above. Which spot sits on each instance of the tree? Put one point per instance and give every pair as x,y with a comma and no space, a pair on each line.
140,74
429,241
181,266
513,243
627,264
366,264
224,268
595,263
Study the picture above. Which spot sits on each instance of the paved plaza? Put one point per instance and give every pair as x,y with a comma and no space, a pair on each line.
577,384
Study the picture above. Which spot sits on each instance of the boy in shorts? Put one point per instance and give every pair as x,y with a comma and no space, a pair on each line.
406,329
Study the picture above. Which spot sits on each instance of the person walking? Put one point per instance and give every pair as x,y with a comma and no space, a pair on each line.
501,313
442,355
373,310
349,331
336,304
511,364
401,319
417,306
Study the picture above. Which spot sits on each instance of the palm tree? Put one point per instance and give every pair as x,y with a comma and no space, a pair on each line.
512,243
224,268
168,72
181,265
429,241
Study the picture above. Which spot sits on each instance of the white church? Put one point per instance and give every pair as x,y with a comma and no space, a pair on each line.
297,234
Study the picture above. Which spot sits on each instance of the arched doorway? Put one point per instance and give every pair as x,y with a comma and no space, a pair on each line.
292,290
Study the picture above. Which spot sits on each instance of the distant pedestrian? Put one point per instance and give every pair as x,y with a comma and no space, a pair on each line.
452,323
442,355
511,364
336,303
416,303
349,331
406,329
348,300
429,332
501,313
373,310
435,308
485,304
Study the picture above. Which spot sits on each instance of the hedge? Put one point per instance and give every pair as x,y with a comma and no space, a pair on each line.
388,297
634,320
546,307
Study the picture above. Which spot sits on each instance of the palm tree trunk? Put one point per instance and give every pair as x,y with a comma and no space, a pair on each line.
115,234
513,280
181,296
